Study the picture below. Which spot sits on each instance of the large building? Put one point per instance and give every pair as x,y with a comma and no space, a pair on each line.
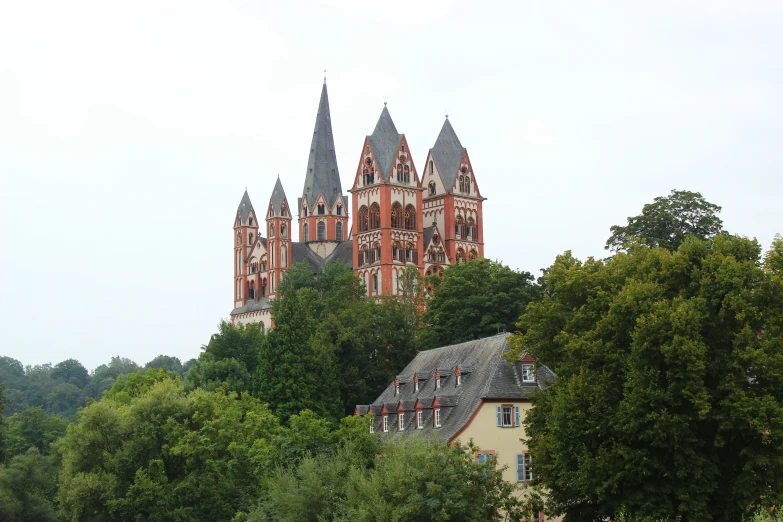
400,217
465,392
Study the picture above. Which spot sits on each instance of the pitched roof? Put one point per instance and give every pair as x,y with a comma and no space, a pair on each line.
252,306
301,252
428,232
384,142
343,253
278,197
245,207
447,153
322,177
490,377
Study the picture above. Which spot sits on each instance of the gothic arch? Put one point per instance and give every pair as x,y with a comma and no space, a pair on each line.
364,222
410,218
375,216
396,215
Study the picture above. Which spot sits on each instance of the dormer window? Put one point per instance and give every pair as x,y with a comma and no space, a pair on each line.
372,427
528,373
401,421
419,420
321,210
436,418
396,387
437,383
386,424
459,380
416,384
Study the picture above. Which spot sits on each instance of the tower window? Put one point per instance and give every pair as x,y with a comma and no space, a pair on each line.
321,231
364,222
304,211
375,216
432,167
410,218
406,174
396,215
283,230
459,227
375,283
338,230
251,222
460,255
321,210
305,230
432,188
340,211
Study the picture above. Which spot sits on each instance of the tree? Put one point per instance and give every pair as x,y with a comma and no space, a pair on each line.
172,364
240,342
668,400
33,427
27,487
476,299
667,221
71,371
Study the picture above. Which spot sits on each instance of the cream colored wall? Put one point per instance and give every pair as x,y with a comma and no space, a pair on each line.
504,441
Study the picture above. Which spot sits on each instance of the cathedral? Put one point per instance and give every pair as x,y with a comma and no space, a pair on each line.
401,217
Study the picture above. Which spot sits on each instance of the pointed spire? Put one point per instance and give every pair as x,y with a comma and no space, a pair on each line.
384,142
245,207
278,197
322,174
447,153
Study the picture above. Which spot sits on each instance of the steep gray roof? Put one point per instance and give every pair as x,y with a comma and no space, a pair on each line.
428,232
447,154
278,197
486,375
384,142
322,174
251,306
301,252
342,253
245,207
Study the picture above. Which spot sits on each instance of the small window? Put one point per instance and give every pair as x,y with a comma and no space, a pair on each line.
432,168
437,383
520,467
528,467
251,222
415,386
419,420
396,389
321,210
459,380
305,230
436,420
321,231
339,230
375,283
372,428
304,211
528,373
339,211
484,456
386,424
432,188
401,421
508,416
283,230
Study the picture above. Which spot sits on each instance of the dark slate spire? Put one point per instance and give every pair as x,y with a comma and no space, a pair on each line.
245,207
447,154
278,197
322,174
384,142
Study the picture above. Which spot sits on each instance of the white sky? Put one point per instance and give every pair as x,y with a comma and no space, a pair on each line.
129,130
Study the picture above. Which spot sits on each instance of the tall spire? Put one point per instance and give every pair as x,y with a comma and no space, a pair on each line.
447,153
322,174
245,207
278,197
384,141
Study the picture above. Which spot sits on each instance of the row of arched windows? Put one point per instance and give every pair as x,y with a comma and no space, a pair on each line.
403,174
466,229
321,232
370,219
461,255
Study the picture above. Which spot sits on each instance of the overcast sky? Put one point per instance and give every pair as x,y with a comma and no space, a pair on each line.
129,130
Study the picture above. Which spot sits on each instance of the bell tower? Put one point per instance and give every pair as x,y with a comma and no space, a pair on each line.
323,210
245,235
278,242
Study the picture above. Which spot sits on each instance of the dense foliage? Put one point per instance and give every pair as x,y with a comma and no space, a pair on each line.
667,221
474,300
669,393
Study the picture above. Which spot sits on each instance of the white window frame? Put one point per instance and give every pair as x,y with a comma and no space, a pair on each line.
528,467
528,373
386,424
437,383
437,417
459,380
507,409
396,389
401,421
419,420
372,428
415,386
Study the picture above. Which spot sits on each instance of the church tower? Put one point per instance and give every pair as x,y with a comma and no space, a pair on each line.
387,229
278,241
452,197
323,210
245,236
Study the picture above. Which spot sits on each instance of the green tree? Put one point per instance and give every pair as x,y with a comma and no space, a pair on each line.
103,376
669,393
172,364
71,371
240,342
476,299
667,221
33,427
27,487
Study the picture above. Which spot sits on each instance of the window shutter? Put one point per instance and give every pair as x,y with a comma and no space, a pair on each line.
500,416
516,416
520,467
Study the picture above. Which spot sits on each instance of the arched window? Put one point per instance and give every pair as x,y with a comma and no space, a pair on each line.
283,210
459,226
271,255
399,173
271,230
470,231
375,216
375,282
283,230
364,256
467,183
396,215
364,222
407,176
263,287
272,282
304,211
251,222
432,188
283,256
441,256
239,263
410,218
375,255
321,210
339,210
305,233
261,327
460,255
252,293
368,173
263,264
338,230
410,253
431,255
239,239
473,254
396,251
250,239
321,231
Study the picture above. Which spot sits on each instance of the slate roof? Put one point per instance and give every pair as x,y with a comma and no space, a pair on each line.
385,142
489,377
447,153
278,197
245,207
301,252
343,253
252,306
428,232
322,177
